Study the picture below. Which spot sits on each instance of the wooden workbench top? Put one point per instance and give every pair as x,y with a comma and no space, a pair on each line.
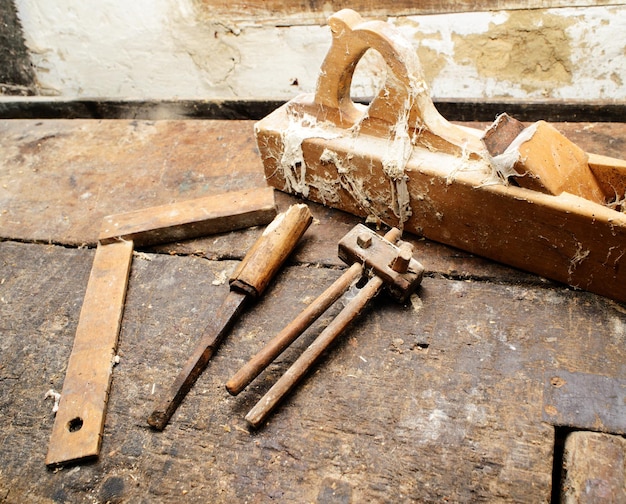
438,400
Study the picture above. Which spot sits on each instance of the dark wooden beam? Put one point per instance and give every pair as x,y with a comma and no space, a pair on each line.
454,110
313,11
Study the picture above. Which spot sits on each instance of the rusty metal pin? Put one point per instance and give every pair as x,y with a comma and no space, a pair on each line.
307,359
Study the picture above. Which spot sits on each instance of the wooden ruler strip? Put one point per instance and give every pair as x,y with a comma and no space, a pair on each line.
79,423
192,218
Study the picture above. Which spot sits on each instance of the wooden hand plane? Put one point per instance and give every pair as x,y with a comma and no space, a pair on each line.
539,205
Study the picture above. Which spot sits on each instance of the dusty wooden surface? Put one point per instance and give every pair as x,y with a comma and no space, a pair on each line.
594,468
436,400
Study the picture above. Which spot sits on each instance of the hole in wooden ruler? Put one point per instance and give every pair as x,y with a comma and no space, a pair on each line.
75,424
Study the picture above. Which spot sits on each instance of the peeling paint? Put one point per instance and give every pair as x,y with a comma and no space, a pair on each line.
433,62
432,58
531,48
180,49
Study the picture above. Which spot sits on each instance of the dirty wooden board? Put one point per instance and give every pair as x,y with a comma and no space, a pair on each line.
438,399
352,430
281,11
59,178
594,468
198,217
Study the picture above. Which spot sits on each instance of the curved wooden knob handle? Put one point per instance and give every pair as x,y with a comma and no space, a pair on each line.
352,37
405,96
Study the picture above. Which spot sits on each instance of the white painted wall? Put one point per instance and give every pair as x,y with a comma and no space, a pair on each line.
165,49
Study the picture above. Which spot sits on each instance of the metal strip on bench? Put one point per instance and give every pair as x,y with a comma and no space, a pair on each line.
585,401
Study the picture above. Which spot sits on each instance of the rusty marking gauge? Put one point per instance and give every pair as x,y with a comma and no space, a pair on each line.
247,282
387,261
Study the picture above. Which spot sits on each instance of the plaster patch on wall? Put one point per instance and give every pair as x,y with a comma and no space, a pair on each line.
531,48
588,34
428,45
434,38
210,45
433,62
164,49
598,38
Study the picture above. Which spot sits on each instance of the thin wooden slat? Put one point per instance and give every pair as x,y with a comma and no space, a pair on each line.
192,218
78,426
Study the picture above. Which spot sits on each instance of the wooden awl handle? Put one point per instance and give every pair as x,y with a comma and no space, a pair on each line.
270,251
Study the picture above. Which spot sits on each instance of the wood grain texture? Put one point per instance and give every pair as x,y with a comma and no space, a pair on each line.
437,399
192,218
551,163
594,468
585,402
58,181
79,422
412,404
280,11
